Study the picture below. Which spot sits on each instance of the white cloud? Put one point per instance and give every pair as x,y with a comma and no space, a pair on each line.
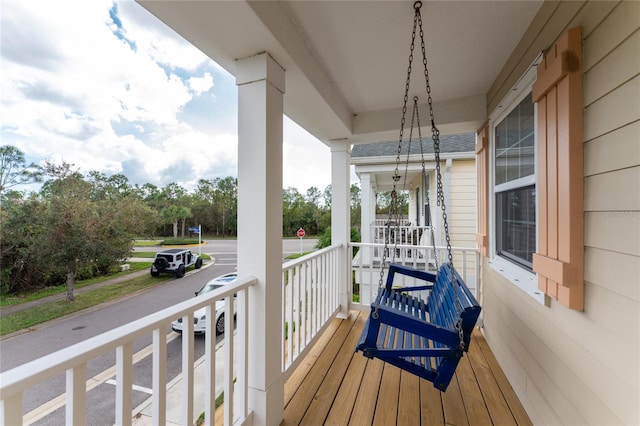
202,84
112,89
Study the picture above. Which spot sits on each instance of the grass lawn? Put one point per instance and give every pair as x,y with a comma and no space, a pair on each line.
51,310
48,311
8,300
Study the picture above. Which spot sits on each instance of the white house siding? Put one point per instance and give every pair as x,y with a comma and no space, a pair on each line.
462,203
572,367
461,207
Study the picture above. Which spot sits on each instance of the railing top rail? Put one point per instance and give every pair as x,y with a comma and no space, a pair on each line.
295,262
413,246
21,378
393,226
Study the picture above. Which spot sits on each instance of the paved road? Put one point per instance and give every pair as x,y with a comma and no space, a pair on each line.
55,335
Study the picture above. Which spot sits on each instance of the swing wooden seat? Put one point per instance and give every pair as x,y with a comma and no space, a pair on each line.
426,338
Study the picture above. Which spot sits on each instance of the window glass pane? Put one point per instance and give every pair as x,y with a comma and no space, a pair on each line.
515,143
516,225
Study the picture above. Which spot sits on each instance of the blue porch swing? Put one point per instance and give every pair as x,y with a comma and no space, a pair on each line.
423,337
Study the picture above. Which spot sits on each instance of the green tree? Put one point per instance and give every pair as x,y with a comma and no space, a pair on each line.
184,213
14,169
21,226
326,195
70,221
112,187
355,203
171,215
204,209
226,200
314,196
174,191
292,211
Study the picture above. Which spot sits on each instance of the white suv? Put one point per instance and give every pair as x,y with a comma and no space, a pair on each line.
175,261
199,316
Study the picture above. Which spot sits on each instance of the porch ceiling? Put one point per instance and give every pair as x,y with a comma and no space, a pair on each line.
346,60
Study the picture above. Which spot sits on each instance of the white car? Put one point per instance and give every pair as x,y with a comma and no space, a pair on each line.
199,316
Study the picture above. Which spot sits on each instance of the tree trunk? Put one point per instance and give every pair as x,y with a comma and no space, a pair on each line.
175,228
71,279
223,223
183,221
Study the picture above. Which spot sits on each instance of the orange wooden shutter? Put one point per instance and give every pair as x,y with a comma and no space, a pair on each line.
559,261
482,167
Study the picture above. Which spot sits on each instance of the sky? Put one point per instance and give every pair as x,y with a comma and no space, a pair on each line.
108,87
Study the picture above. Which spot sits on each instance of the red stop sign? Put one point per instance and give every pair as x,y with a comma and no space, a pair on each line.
300,233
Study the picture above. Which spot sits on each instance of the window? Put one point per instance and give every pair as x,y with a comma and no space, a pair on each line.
514,180
534,179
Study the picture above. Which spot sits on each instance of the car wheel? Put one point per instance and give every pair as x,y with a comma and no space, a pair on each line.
180,271
155,273
220,325
198,263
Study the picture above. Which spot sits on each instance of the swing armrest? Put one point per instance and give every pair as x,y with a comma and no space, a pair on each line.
410,272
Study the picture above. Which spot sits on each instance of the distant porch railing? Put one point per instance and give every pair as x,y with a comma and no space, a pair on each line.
367,260
404,234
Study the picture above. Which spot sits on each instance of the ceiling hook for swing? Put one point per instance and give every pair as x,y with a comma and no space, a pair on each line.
417,5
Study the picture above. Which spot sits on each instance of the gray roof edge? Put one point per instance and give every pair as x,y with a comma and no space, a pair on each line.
463,142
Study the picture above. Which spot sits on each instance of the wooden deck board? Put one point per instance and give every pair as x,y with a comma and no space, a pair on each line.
341,387
453,406
306,391
295,380
367,398
387,407
496,404
326,394
409,401
510,397
431,412
342,407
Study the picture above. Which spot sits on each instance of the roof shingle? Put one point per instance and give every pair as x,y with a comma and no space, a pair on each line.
464,142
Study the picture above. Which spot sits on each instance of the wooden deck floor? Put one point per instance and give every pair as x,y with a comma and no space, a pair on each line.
336,386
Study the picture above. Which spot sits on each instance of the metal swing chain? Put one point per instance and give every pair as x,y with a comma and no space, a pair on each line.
435,133
417,21
396,176
436,150
424,172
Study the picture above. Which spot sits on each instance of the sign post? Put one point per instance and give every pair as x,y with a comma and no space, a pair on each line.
300,233
197,230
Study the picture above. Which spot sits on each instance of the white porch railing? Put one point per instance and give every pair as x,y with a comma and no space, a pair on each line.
366,267
383,222
310,301
404,234
73,361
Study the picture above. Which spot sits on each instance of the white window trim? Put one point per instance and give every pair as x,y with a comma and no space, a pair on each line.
524,279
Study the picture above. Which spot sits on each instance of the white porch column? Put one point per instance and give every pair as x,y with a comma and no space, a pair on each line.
340,214
260,81
367,215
